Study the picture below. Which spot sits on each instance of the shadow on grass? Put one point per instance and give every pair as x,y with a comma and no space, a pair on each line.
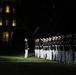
31,55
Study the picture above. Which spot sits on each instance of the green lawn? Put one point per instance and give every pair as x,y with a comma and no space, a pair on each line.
33,66
31,58
16,58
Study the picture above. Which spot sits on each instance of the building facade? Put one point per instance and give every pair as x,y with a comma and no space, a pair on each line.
10,25
8,20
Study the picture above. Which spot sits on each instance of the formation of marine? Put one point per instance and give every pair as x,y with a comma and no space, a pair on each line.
58,48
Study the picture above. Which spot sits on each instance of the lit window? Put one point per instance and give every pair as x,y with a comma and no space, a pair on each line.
14,23
13,10
7,9
0,9
0,22
5,36
7,22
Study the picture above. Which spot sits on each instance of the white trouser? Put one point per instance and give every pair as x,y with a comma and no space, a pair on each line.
40,53
63,55
26,53
44,53
67,56
75,57
49,55
35,52
59,57
54,54
71,56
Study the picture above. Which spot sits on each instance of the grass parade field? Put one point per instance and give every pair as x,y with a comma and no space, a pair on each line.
18,65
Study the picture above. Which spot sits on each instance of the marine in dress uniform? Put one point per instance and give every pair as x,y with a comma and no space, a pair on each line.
45,47
36,47
67,49
41,48
53,47
26,48
56,47
59,48
50,50
63,53
71,48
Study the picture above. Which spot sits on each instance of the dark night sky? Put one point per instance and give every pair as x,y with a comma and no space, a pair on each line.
52,16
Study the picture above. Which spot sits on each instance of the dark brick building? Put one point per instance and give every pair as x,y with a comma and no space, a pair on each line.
11,29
